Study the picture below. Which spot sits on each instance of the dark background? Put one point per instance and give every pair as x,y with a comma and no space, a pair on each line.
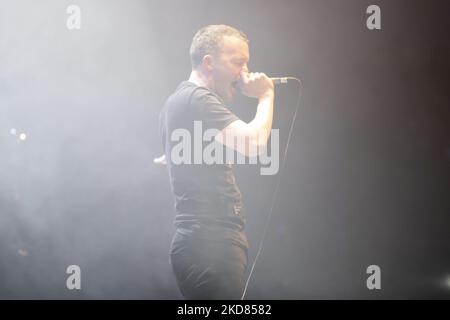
367,178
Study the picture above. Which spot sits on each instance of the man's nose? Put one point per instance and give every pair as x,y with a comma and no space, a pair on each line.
245,68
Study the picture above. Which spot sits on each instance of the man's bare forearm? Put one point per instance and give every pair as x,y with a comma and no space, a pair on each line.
262,123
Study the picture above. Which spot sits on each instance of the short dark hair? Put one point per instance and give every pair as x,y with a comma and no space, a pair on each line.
209,40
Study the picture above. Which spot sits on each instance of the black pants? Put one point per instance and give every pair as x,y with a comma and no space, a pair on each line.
208,269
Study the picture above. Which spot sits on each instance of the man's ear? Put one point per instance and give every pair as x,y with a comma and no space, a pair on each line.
208,62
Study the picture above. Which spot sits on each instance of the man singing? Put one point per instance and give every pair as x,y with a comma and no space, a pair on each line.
209,249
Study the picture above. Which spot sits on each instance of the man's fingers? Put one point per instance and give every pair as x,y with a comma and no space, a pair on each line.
254,84
254,76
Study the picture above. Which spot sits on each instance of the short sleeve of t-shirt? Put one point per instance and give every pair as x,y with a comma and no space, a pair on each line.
212,111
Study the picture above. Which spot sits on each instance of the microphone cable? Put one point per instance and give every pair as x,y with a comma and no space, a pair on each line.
277,186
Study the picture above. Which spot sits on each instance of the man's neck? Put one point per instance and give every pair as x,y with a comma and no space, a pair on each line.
199,79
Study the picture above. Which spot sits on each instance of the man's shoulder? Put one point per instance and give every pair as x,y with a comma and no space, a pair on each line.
200,94
194,95
186,92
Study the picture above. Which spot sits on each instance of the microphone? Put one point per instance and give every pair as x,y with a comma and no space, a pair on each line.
277,81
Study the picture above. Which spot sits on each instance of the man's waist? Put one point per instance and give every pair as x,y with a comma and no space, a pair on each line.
189,220
209,208
202,231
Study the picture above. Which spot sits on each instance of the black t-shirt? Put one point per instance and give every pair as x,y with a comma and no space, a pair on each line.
208,202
